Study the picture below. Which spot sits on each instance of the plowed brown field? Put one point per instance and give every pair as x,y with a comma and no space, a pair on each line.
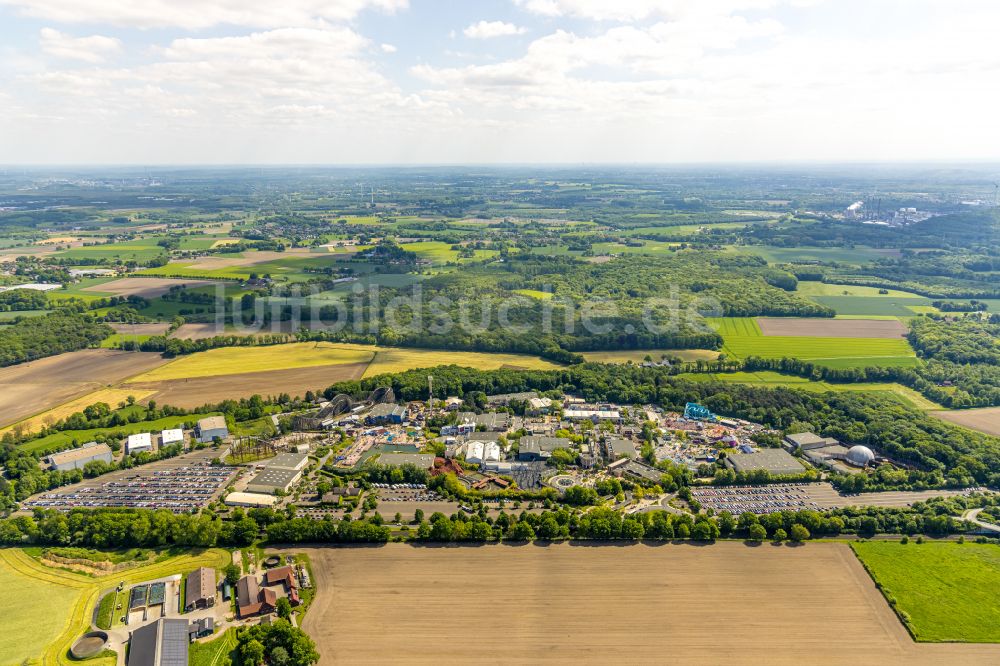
30,388
723,604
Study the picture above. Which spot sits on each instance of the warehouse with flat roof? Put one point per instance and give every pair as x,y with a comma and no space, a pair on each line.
777,462
293,461
139,442
250,500
77,458
274,480
211,427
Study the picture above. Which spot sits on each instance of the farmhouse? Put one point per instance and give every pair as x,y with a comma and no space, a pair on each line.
77,458
252,600
773,461
138,443
211,427
199,589
285,577
201,628
162,643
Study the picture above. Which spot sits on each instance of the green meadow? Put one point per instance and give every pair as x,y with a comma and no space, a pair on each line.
743,338
903,394
944,592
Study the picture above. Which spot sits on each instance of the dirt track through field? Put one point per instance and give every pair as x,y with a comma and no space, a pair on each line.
723,604
30,388
984,420
198,391
832,328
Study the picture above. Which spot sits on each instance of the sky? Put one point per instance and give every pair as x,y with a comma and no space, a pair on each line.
497,81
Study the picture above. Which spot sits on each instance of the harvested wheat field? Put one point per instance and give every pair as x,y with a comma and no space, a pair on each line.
198,331
140,329
34,387
832,328
147,287
198,391
240,360
984,420
721,604
214,263
110,396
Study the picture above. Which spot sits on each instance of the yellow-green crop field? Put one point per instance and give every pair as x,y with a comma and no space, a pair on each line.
399,360
380,360
238,360
534,293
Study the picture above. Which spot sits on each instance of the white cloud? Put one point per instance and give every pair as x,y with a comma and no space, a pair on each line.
200,14
388,48
637,10
491,29
90,49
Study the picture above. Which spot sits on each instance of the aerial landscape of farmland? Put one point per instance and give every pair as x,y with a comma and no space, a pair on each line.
516,332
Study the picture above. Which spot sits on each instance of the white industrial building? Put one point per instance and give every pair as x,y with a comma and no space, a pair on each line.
211,427
594,415
77,458
138,443
480,452
250,500
172,436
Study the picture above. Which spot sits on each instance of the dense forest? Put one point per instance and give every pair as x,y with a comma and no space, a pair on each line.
36,337
964,341
18,300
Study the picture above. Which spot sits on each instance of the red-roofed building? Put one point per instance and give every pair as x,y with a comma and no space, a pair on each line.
284,576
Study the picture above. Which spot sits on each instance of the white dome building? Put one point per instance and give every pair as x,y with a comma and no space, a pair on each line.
860,456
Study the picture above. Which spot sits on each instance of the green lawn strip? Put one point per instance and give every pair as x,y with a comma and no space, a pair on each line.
65,438
216,651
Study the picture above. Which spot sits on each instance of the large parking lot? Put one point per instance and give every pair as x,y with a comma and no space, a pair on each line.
405,492
793,497
755,499
180,484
